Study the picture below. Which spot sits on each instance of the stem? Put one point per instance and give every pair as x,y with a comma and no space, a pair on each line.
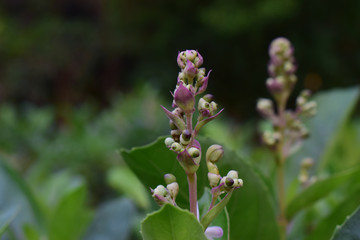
280,161
191,177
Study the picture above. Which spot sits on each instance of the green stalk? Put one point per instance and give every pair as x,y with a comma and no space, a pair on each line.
191,177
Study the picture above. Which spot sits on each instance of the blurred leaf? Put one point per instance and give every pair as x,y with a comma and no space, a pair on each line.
320,189
250,203
70,217
222,220
334,108
14,193
326,226
350,229
171,223
113,221
31,233
6,217
125,181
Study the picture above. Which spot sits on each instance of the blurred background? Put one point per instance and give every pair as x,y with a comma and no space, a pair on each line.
78,78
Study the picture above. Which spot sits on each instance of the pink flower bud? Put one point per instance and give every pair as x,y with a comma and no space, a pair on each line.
184,99
190,71
214,232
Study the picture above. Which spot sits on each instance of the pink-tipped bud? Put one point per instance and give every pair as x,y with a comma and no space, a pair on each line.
190,71
184,98
214,232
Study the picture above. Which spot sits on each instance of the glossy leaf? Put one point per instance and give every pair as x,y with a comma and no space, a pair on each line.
170,223
319,190
350,229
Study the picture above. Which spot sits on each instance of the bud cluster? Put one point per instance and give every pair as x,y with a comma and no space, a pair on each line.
281,68
191,81
304,175
166,194
221,184
288,130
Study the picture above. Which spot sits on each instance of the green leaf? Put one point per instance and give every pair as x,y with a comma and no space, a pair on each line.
222,220
350,229
170,223
125,181
334,109
113,221
15,194
320,189
251,203
326,226
70,217
6,217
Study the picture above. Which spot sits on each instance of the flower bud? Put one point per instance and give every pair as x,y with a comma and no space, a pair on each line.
270,138
212,168
184,98
169,178
190,71
169,141
309,109
161,191
176,147
274,85
233,174
214,153
194,152
238,183
214,232
173,189
265,107
175,134
213,179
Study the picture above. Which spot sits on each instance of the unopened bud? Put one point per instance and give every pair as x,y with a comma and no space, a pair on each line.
169,178
214,153
175,134
270,138
176,147
173,189
238,183
265,107
309,109
274,86
194,152
213,179
233,174
169,141
161,191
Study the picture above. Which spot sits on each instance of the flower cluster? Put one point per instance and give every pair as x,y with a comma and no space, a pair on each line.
192,80
287,125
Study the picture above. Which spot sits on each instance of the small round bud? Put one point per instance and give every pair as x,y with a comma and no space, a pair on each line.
233,174
186,135
214,153
169,178
238,182
213,179
173,189
176,147
265,106
194,152
169,141
175,134
160,190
